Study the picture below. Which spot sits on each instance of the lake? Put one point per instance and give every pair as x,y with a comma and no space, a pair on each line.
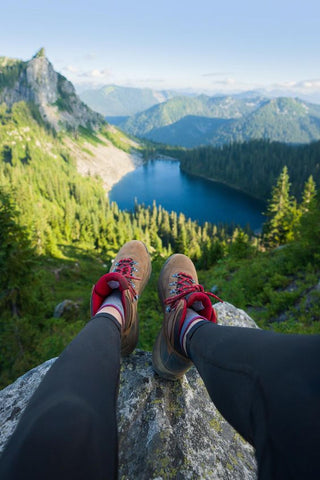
197,198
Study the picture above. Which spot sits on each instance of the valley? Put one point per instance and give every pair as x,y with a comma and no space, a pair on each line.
59,230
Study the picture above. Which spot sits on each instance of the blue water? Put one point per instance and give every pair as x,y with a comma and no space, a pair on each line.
197,198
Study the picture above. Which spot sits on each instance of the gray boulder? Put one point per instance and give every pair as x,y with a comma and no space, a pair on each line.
167,430
67,309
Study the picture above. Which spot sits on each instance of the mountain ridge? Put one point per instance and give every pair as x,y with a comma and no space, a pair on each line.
114,100
35,81
283,119
38,105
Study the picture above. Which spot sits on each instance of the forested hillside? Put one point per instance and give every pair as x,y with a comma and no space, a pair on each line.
203,120
54,225
148,123
254,166
59,232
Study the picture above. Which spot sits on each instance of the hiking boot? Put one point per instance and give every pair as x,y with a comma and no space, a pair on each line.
130,272
178,290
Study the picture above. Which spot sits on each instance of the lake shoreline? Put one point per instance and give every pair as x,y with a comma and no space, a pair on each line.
213,180
162,180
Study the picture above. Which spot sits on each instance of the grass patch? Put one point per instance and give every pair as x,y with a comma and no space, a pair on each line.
89,136
86,150
272,287
118,139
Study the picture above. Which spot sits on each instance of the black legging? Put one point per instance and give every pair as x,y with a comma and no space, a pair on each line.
266,385
69,429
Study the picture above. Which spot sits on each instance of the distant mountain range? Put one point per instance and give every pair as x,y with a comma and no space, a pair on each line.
161,116
204,120
116,101
193,120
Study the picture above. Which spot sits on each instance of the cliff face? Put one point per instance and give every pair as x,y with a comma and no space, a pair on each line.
167,430
36,81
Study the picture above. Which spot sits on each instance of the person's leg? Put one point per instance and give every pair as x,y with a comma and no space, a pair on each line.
266,385
69,430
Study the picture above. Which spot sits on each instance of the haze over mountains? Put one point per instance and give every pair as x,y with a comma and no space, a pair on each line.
191,121
114,100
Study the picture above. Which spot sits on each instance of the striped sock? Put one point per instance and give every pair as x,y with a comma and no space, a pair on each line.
114,300
192,318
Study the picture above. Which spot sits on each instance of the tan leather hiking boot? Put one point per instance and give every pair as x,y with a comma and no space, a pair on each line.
178,290
130,272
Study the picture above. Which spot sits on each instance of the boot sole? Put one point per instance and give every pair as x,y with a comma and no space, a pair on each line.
157,362
133,336
158,365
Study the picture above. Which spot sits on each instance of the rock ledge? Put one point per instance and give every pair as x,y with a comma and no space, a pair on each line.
167,430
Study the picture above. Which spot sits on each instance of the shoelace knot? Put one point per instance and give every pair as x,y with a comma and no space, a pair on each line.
185,285
126,268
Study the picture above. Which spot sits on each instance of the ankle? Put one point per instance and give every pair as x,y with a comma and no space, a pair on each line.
112,304
191,320
111,310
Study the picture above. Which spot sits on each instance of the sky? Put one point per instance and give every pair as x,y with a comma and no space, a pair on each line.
201,45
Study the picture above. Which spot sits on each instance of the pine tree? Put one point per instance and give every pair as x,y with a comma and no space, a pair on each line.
309,230
308,194
282,213
17,257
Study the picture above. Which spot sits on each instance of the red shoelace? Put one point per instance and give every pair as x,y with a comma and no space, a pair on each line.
185,285
126,268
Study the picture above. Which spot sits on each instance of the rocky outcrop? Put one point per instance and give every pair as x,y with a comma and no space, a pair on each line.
67,309
52,98
167,430
36,81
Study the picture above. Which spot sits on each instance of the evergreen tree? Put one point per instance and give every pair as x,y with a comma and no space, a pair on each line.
282,213
240,245
309,230
16,257
308,194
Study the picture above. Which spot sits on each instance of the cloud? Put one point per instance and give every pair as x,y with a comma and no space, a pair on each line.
231,85
310,84
98,73
95,77
71,69
216,74
303,86
226,82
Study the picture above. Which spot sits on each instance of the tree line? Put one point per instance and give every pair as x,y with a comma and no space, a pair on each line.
46,205
254,166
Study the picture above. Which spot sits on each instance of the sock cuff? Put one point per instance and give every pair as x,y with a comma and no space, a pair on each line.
187,325
113,306
109,317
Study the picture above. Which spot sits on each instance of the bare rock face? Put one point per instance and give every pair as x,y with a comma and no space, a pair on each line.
167,430
36,81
